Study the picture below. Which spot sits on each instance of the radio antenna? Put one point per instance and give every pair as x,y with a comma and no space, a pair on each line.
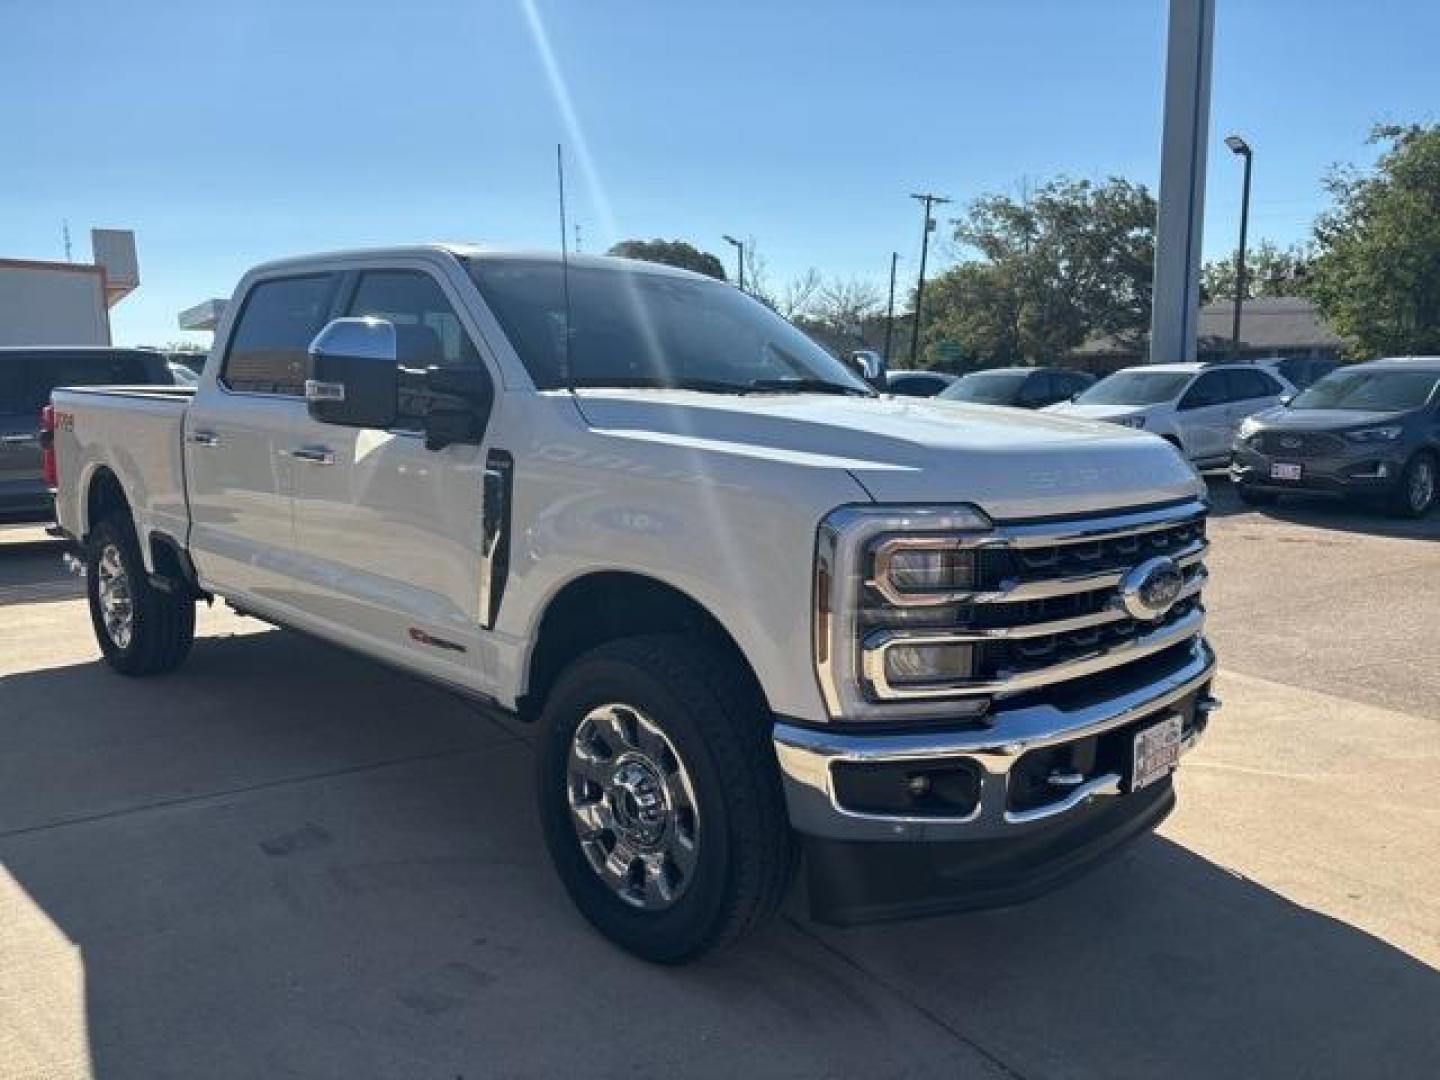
566,373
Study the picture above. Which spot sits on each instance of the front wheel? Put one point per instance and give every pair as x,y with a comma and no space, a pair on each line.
1416,492
141,630
660,797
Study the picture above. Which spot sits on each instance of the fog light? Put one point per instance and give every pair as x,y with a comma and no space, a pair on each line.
917,664
1382,471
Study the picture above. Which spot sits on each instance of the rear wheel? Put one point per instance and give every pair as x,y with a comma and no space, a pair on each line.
660,797
1416,492
141,630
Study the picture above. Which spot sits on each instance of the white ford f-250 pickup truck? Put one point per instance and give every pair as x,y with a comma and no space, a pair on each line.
950,653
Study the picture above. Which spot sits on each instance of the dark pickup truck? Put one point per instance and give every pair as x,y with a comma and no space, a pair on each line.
27,375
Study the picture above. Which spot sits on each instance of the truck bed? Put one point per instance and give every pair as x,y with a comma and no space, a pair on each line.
136,432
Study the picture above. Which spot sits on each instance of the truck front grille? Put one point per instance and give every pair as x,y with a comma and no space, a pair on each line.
1047,606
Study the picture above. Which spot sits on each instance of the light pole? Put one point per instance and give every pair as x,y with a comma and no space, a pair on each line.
1239,146
890,307
739,258
929,201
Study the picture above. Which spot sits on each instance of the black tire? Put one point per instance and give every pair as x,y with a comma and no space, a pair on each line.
1404,501
1250,497
162,625
719,728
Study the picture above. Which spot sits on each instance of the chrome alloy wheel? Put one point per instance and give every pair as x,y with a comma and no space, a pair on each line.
633,806
117,604
1422,485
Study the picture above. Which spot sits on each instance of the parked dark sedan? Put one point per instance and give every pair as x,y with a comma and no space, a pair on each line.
1020,387
1367,430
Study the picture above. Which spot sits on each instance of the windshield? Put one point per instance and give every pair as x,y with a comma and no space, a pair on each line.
1136,388
987,387
1377,391
633,328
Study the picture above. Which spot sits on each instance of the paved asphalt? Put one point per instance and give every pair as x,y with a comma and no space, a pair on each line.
285,861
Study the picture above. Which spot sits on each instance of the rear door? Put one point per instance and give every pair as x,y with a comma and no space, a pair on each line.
387,532
1202,417
1250,391
239,432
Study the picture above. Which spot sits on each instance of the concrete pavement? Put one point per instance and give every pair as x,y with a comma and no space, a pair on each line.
285,861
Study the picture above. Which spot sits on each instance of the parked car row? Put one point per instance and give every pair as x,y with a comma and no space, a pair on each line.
27,376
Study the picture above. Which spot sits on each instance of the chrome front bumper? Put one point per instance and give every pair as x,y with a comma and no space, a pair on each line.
807,754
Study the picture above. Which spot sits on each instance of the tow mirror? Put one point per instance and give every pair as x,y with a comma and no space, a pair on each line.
460,402
351,377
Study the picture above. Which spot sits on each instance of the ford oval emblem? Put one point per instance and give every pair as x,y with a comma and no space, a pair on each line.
1149,590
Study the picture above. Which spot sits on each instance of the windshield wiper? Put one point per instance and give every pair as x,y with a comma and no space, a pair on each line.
807,386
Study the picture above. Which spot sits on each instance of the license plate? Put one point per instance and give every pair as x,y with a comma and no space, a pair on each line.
1279,470
1157,751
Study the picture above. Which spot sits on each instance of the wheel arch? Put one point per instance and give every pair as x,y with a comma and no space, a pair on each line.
602,606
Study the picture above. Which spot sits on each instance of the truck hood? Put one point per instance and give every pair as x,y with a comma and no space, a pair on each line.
1013,463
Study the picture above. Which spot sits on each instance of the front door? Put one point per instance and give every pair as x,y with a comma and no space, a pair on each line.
388,533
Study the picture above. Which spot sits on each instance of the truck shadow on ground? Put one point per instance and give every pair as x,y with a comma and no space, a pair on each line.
1323,513
31,572
282,860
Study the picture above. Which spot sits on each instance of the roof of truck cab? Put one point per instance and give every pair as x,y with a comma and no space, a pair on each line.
479,253
1426,364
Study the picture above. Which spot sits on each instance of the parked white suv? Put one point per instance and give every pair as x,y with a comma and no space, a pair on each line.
956,650
1198,407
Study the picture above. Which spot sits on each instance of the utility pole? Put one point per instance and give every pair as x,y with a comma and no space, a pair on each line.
739,258
577,238
65,231
890,307
1239,146
929,200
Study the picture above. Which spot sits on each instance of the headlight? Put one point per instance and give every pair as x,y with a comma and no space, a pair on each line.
1130,421
887,583
1248,427
1375,434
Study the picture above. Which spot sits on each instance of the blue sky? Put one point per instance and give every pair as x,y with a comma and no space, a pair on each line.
226,134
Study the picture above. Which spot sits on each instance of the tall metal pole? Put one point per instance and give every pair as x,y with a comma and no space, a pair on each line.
890,307
929,201
739,258
1240,282
1179,223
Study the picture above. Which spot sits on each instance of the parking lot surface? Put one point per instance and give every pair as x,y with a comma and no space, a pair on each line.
283,860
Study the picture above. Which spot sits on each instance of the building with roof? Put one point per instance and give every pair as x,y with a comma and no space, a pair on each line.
67,303
1269,326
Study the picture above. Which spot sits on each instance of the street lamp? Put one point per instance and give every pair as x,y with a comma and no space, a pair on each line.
1239,146
739,257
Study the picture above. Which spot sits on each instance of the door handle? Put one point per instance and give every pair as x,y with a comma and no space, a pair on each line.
316,455
204,438
19,440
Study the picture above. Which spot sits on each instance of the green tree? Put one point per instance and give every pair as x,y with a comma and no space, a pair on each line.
1269,271
671,253
1059,263
1376,270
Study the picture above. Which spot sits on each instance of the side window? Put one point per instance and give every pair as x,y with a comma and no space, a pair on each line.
1246,385
1042,388
279,319
16,396
428,332
1208,389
